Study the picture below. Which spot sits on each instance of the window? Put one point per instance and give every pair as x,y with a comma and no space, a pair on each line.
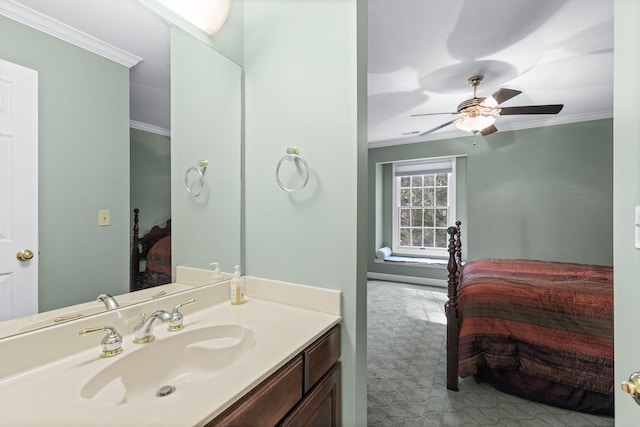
423,206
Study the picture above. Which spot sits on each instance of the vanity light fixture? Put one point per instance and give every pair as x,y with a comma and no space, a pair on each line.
208,15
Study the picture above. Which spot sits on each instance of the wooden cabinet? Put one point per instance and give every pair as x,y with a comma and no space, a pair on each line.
304,392
321,407
320,356
269,402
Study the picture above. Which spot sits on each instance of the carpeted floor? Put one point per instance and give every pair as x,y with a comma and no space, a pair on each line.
407,377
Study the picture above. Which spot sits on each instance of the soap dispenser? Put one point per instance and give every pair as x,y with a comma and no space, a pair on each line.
236,288
217,274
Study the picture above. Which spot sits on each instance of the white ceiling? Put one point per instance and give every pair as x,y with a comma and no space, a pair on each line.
421,53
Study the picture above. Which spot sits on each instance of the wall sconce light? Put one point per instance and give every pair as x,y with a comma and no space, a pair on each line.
208,15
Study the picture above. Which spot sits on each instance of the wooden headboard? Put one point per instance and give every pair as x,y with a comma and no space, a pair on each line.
140,246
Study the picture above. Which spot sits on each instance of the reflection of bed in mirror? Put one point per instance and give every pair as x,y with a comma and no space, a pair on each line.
150,256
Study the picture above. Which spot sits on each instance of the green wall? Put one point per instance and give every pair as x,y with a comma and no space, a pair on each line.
304,85
206,101
542,193
296,75
150,178
83,165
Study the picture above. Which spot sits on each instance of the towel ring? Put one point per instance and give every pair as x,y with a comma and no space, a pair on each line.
200,169
291,156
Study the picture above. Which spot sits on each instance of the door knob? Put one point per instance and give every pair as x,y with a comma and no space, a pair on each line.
24,255
632,386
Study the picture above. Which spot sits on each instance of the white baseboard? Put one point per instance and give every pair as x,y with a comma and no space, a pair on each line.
407,279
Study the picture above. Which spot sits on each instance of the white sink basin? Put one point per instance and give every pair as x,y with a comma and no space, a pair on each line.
169,365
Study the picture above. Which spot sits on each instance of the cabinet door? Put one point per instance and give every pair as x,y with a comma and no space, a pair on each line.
321,407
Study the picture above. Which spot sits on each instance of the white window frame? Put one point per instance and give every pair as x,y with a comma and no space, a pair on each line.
422,164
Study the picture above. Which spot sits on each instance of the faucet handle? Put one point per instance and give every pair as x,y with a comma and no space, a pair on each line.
66,318
158,295
111,343
177,317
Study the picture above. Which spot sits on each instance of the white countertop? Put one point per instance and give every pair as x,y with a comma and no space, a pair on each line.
45,371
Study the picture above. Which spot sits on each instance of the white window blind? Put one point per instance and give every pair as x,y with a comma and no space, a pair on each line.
423,167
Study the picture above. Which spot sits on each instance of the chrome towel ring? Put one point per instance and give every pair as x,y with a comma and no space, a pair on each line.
200,169
291,156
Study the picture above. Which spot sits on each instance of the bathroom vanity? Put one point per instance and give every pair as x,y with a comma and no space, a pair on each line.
271,361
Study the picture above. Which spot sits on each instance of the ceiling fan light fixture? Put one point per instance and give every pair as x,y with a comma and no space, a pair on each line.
475,124
489,103
208,15
479,114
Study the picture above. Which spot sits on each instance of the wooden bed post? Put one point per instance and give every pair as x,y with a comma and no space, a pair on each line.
451,307
135,253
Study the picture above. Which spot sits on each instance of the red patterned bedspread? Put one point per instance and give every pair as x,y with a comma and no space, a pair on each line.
547,320
159,257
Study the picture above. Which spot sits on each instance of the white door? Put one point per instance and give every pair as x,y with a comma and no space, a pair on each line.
626,196
18,191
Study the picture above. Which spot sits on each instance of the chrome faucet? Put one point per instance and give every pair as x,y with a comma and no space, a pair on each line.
143,332
109,302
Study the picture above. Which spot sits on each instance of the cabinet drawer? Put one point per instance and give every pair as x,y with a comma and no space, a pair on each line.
269,402
320,357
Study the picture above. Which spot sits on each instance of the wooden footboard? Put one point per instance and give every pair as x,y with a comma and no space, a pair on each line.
135,253
451,308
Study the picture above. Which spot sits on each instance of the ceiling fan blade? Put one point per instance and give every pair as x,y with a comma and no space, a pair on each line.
488,130
532,109
430,114
438,127
503,94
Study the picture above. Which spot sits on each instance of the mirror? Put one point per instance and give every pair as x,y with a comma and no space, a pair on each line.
84,152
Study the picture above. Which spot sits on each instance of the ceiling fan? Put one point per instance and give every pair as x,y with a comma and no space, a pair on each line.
477,115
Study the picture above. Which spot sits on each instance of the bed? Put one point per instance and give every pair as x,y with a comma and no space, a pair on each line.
536,329
150,255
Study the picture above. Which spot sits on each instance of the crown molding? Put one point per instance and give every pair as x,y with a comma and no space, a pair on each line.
149,128
62,31
537,123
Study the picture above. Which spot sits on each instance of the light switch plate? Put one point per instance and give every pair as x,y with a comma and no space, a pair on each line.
104,217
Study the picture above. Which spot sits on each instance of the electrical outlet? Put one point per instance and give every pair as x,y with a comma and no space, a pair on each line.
104,218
